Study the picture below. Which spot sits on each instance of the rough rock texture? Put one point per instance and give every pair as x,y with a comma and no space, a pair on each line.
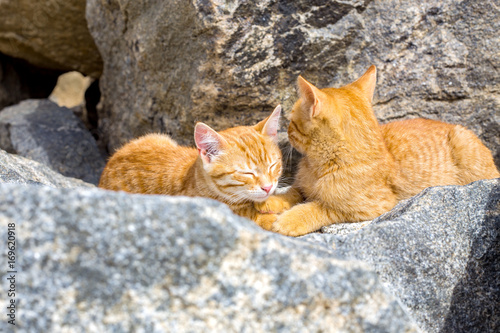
50,34
93,260
436,59
20,80
20,170
439,253
170,64
344,228
53,135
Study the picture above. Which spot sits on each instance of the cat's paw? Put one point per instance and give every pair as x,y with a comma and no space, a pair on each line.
265,221
291,224
273,205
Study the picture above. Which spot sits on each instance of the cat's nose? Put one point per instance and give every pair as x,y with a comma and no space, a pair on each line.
267,188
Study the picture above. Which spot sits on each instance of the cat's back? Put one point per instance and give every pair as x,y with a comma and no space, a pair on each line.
430,153
146,164
419,137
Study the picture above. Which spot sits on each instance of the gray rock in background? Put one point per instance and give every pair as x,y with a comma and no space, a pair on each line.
52,135
93,260
49,34
20,170
170,64
436,59
439,253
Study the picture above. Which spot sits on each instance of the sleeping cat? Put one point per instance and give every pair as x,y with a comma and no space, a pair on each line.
237,166
353,169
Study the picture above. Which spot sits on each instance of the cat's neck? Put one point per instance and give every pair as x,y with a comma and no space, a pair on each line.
342,154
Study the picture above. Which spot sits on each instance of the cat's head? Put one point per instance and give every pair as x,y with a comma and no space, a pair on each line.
324,120
241,163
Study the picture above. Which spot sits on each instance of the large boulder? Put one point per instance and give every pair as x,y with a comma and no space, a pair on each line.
169,64
20,170
94,257
438,252
53,135
94,260
49,34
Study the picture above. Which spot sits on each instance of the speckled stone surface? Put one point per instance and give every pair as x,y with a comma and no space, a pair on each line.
90,260
344,228
20,170
438,252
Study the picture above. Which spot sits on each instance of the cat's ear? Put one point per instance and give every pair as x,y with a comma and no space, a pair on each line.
367,82
208,142
270,125
310,96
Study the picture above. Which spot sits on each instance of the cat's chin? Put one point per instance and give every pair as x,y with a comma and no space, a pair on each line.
260,198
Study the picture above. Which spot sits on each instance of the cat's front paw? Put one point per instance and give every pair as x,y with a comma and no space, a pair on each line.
265,221
273,205
291,224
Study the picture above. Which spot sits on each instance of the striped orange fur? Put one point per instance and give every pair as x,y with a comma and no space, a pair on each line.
237,166
353,169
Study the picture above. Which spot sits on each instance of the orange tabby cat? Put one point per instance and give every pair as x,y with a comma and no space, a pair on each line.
353,169
238,166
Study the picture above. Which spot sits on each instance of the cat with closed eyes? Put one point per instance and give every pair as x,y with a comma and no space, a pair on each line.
238,166
354,169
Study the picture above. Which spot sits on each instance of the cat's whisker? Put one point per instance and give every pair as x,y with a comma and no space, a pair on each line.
289,158
235,198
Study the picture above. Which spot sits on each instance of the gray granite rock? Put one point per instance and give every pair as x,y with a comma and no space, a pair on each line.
98,261
20,170
169,64
344,228
52,135
436,59
439,254
49,34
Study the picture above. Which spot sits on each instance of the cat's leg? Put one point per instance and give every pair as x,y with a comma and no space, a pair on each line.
265,221
278,203
305,218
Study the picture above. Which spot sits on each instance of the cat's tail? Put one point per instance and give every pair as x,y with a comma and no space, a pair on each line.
471,156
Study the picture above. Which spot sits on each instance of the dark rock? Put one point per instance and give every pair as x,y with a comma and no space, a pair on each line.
52,135
20,80
97,260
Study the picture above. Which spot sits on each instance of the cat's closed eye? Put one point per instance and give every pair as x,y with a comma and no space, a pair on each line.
273,166
247,173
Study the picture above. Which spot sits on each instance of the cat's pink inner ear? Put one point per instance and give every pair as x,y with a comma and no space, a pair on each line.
367,82
310,96
208,142
272,124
